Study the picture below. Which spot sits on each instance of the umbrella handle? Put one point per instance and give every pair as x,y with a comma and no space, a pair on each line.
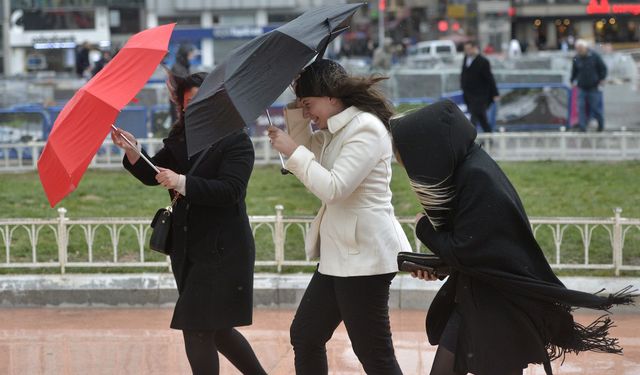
283,170
136,149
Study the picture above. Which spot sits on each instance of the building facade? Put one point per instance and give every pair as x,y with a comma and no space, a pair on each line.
552,24
44,35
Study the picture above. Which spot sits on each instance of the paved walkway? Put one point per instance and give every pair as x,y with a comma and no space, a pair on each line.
137,341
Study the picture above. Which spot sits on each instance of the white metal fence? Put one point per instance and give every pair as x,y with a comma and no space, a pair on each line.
505,146
121,243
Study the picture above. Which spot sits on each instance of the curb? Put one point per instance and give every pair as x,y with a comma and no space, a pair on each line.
270,290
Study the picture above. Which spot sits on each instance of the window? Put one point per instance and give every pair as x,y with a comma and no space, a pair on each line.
124,20
58,19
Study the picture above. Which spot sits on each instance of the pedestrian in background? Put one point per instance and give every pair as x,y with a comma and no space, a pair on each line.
347,164
82,59
588,74
104,60
181,68
478,85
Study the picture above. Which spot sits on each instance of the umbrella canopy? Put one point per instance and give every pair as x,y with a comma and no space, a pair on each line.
252,77
85,121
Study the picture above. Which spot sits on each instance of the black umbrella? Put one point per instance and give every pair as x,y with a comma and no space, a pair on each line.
253,76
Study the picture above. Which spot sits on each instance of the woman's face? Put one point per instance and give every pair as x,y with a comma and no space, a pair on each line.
188,94
320,108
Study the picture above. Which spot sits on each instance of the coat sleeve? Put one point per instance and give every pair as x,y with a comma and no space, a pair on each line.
472,223
358,155
491,81
143,171
574,71
230,185
300,130
601,68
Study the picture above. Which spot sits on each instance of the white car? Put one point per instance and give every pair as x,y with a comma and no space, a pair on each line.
431,51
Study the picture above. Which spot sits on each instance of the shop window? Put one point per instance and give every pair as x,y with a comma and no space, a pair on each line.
124,20
183,20
280,18
39,19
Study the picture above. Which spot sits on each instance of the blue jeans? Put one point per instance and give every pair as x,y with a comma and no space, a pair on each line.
590,106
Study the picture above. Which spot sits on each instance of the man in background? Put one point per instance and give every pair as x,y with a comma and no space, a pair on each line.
478,85
588,73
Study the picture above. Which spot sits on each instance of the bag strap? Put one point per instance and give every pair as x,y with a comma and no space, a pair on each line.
193,167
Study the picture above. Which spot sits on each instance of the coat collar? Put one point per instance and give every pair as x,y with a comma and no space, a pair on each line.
337,122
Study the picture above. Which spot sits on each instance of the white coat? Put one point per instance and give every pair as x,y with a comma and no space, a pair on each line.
348,166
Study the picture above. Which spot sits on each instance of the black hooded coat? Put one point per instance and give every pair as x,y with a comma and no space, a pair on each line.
514,309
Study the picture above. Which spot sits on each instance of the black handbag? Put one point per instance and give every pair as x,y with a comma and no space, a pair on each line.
161,228
411,262
160,240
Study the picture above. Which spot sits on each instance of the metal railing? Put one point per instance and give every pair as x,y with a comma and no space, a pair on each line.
121,243
502,146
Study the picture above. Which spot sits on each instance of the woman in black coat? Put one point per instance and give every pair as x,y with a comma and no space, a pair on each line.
213,252
502,307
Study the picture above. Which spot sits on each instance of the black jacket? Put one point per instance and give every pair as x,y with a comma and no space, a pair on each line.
587,71
213,249
477,83
514,309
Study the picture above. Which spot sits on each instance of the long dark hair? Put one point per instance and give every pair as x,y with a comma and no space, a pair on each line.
177,86
328,78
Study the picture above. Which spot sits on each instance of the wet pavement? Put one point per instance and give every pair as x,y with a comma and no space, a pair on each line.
138,341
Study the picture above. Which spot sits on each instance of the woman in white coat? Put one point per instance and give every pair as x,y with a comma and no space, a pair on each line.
347,165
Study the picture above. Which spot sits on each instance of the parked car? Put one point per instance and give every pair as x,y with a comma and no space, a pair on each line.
431,51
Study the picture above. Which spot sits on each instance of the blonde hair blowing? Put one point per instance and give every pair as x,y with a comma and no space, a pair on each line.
433,197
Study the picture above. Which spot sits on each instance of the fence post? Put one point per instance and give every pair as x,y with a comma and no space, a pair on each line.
617,241
279,237
502,143
34,155
62,238
563,143
623,142
266,146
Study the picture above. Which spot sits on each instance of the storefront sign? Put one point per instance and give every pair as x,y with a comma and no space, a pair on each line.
603,7
56,42
239,32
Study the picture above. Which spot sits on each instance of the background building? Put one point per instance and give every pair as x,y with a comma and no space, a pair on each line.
546,24
44,35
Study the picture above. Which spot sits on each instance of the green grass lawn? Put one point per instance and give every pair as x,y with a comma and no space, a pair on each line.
546,189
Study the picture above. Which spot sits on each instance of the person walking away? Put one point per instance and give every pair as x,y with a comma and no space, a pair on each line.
82,59
181,68
347,164
382,56
502,307
104,60
212,247
478,85
588,74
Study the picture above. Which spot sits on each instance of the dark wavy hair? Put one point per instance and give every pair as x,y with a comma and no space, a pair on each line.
328,78
177,86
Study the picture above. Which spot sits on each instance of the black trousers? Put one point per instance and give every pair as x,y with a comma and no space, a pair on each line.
479,116
362,303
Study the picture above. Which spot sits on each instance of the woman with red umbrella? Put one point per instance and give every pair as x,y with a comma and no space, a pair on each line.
213,252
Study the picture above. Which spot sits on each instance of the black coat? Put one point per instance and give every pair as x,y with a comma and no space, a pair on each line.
477,83
588,71
213,250
514,310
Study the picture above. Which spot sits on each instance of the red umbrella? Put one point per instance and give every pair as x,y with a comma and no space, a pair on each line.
85,121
